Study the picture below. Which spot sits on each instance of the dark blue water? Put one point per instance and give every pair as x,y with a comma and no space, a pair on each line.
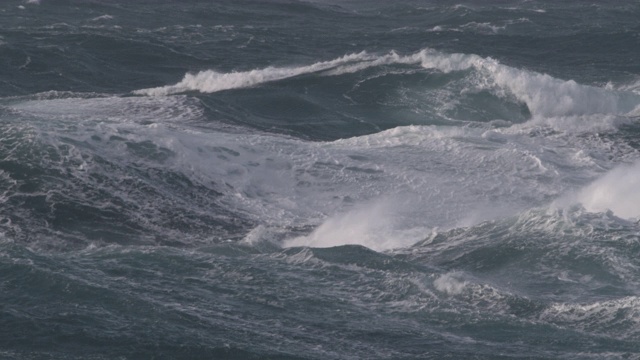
319,179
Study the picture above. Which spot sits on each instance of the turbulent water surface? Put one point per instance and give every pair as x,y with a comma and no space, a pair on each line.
325,179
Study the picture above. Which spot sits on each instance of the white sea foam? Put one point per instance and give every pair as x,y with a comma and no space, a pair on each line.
103,17
212,81
370,224
545,95
633,86
450,284
366,225
72,106
619,317
442,178
617,191
483,27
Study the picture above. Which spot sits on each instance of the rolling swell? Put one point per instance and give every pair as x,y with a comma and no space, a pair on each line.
440,88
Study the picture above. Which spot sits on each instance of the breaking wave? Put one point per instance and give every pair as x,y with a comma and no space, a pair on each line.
544,95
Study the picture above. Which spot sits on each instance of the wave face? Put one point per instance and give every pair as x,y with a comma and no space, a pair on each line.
319,180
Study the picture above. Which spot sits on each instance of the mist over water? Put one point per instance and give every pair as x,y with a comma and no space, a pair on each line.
319,179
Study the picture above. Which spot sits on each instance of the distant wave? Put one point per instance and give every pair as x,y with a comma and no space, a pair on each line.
544,95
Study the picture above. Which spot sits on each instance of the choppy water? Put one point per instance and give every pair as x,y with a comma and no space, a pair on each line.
319,179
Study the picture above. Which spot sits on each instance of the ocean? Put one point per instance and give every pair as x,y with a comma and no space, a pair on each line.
319,179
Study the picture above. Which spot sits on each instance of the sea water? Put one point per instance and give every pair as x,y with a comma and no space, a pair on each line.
324,179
